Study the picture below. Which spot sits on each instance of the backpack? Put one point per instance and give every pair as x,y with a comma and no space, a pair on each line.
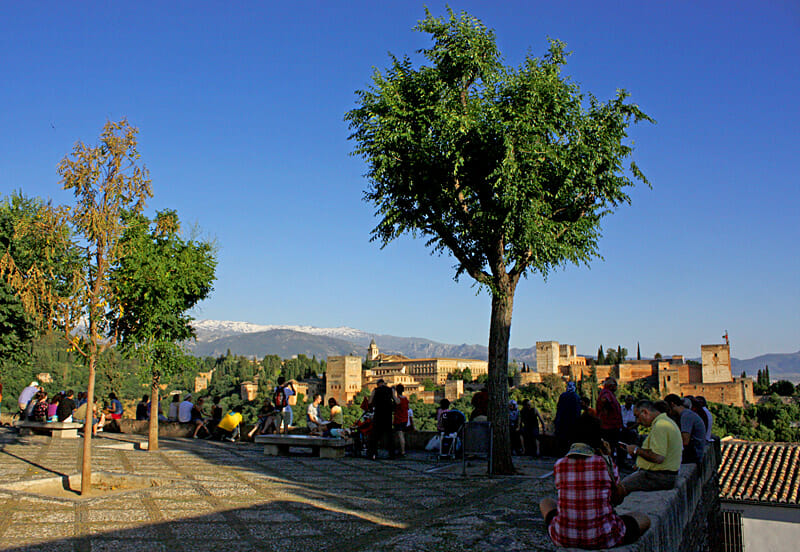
280,398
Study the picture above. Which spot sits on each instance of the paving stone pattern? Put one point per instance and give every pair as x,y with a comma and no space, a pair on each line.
231,497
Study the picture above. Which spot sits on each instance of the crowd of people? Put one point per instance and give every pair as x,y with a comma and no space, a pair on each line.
37,405
596,441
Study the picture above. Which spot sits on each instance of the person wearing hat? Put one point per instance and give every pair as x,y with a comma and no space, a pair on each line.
25,397
588,488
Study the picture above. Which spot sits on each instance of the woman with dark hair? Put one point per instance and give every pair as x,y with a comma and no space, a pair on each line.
588,489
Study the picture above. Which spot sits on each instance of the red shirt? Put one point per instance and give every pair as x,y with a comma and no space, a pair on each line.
585,516
608,410
401,411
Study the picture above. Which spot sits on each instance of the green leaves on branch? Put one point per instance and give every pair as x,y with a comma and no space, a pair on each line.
507,169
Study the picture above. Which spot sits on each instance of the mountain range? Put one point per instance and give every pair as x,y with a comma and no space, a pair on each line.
217,337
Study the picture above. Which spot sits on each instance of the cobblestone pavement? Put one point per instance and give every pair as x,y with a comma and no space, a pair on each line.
233,498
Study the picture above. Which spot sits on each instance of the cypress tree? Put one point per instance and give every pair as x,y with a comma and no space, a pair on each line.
638,352
601,358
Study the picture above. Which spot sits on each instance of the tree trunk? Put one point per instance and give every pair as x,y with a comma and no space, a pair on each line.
152,428
86,463
499,333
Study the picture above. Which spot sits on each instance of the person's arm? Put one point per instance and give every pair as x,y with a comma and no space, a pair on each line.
647,454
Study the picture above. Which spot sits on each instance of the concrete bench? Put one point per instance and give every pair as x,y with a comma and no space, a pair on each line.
324,447
59,430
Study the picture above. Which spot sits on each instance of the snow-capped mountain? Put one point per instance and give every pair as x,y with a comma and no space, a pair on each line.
208,330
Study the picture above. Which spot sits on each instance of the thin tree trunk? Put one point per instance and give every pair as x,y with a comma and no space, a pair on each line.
86,463
499,333
152,428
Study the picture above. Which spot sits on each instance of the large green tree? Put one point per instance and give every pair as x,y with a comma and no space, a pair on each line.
509,170
160,277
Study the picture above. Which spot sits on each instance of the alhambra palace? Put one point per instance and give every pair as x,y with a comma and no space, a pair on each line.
712,379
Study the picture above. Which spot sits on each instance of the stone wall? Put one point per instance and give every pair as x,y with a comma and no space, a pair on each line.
685,519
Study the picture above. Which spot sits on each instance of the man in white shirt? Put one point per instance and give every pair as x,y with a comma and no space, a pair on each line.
185,409
315,422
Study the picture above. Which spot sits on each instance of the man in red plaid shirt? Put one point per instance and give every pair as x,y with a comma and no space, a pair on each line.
588,487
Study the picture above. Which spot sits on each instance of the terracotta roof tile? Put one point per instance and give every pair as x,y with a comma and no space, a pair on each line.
760,472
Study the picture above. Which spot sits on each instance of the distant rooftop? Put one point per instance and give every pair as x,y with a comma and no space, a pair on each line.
765,473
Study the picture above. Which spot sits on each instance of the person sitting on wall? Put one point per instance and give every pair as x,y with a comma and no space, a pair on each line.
588,489
198,418
172,413
659,457
693,431
141,408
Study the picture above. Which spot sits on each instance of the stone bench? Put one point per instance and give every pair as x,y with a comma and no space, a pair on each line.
59,430
324,447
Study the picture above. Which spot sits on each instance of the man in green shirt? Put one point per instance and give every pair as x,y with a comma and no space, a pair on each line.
659,457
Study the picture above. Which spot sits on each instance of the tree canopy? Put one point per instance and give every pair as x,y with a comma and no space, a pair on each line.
509,170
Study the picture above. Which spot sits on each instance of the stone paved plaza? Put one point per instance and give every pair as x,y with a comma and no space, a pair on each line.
231,497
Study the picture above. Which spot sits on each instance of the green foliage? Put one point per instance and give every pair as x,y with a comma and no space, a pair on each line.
772,420
509,170
601,357
158,279
783,388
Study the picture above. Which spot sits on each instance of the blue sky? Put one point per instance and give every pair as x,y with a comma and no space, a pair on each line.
240,109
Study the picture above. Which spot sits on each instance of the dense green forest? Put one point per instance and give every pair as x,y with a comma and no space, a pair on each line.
775,419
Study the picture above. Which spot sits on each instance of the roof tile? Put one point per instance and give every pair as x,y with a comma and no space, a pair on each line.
760,472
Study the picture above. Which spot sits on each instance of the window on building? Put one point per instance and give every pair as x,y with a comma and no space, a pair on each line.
732,540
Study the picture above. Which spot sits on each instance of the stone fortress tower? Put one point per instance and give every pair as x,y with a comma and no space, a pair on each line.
343,378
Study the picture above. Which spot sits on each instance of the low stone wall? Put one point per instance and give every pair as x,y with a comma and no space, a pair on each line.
686,518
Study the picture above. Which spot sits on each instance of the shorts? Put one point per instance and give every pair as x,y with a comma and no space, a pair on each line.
632,532
400,427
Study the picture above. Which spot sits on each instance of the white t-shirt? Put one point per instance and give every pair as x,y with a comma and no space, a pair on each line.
185,412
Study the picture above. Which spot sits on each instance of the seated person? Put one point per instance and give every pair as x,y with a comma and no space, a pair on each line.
269,420
228,427
80,417
316,424
142,408
52,408
114,410
198,419
65,407
588,489
337,416
40,407
659,457
693,430
172,413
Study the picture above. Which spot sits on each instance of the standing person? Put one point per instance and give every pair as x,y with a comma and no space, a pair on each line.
444,406
281,399
629,433
588,489
141,409
701,401
515,424
659,457
25,396
568,410
185,409
382,400
530,418
693,431
610,413
66,406
401,417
